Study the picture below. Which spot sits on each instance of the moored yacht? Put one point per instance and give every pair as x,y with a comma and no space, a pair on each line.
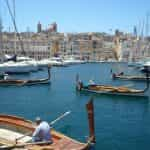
57,61
21,65
73,60
145,67
43,63
30,62
15,67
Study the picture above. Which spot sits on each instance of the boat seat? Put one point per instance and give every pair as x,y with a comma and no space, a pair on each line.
12,135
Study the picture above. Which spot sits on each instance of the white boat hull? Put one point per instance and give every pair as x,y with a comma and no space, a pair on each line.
15,67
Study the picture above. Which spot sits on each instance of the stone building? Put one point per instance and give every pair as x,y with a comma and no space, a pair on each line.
94,46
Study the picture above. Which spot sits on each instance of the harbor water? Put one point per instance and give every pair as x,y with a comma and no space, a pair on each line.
121,122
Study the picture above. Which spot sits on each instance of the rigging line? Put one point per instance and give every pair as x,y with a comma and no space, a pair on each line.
1,27
14,23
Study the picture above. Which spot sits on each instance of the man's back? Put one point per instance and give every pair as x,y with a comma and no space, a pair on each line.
43,131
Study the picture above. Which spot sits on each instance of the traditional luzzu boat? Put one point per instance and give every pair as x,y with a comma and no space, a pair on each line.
18,82
14,135
121,76
109,89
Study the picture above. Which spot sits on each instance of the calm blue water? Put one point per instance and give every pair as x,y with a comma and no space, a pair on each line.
121,123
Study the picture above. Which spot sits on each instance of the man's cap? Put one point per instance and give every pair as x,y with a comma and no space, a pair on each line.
37,119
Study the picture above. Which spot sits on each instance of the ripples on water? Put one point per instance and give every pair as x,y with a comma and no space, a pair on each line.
121,122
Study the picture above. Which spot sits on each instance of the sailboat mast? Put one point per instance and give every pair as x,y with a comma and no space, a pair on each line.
1,45
14,23
14,9
147,32
147,25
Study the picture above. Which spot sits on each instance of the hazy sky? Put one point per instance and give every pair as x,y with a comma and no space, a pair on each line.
77,15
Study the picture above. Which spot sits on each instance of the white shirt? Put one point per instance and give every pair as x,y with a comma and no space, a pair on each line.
42,132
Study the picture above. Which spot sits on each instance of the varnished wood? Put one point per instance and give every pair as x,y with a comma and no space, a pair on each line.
109,89
60,141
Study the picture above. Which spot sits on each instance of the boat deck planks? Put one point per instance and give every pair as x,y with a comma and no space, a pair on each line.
5,134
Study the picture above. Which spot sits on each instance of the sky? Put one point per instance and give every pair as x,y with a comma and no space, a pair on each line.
77,15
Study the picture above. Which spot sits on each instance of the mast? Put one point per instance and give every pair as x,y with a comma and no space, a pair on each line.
142,40
1,40
15,26
14,9
147,25
147,33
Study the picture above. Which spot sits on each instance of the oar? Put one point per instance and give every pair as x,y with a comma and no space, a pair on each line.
51,123
60,117
127,85
21,137
21,145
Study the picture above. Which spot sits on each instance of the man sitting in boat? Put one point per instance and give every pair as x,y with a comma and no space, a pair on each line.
91,82
42,131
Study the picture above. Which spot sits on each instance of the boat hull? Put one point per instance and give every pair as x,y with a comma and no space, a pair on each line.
16,82
113,93
110,90
132,78
18,68
23,82
12,127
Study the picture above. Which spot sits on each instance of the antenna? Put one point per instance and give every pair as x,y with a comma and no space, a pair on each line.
14,9
147,24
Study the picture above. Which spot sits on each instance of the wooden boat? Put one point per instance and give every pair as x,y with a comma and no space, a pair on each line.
18,82
109,89
12,127
129,77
